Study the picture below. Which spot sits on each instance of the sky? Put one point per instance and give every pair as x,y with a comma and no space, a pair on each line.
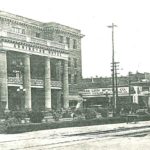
131,36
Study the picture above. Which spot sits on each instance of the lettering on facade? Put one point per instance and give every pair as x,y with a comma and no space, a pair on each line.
27,49
105,91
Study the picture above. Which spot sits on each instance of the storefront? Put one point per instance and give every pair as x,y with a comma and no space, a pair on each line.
127,97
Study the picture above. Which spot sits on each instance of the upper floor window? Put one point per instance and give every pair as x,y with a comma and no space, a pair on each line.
61,39
69,78
69,62
23,31
74,44
37,35
75,79
23,46
18,30
68,41
75,63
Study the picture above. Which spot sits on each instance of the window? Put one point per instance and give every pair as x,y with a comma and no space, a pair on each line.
74,44
145,88
75,62
69,62
37,35
69,78
61,39
23,31
75,79
18,30
68,41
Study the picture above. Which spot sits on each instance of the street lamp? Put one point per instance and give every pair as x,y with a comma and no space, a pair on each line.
21,89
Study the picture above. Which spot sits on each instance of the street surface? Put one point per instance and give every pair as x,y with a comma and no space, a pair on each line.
112,137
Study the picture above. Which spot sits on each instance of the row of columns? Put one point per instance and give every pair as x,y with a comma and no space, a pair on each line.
27,82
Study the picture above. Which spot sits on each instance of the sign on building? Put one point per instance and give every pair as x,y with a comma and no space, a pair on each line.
105,91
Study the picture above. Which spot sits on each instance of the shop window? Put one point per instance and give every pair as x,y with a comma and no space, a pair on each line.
145,88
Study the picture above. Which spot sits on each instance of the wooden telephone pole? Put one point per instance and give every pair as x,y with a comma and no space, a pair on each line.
114,75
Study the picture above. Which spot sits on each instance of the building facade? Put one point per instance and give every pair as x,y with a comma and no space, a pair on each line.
40,63
133,89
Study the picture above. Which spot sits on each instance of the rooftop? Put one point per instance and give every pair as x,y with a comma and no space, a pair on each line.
36,23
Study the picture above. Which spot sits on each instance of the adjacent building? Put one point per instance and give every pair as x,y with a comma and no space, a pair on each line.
40,63
131,89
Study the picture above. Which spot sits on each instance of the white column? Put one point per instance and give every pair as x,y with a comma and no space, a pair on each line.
65,85
47,84
27,81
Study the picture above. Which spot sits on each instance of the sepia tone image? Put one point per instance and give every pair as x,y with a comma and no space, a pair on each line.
74,75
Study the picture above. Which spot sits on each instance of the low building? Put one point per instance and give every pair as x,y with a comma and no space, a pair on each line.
131,89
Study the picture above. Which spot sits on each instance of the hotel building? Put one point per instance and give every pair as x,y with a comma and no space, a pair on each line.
40,64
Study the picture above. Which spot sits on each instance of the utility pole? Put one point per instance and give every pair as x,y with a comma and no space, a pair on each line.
113,67
129,84
116,84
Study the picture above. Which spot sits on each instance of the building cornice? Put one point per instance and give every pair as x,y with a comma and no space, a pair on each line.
69,31
20,23
33,44
20,20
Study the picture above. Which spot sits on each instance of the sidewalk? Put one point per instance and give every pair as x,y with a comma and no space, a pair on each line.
70,131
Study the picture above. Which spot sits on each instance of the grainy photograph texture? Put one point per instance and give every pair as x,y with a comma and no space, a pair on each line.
74,75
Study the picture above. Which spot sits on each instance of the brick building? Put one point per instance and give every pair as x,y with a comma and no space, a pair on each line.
40,63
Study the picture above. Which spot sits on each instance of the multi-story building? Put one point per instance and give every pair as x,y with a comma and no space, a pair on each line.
40,63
